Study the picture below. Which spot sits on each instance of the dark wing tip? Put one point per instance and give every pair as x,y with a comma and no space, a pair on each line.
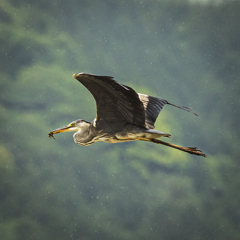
188,109
82,75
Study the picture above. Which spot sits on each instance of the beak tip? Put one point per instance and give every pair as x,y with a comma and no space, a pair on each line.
50,135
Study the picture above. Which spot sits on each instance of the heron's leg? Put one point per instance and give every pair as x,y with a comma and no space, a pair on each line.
191,150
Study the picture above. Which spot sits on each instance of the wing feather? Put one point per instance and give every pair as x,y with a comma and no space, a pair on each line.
153,106
115,102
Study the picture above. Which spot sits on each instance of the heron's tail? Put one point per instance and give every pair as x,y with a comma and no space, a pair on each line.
191,150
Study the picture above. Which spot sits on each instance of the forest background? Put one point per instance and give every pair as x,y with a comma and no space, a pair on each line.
187,52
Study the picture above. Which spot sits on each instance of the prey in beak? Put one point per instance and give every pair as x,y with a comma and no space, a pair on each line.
67,128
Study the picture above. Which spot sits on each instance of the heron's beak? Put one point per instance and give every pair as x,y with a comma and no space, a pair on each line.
66,128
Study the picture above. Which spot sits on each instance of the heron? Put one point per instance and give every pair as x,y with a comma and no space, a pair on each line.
122,115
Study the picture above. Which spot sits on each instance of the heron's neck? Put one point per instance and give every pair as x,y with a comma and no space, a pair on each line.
83,135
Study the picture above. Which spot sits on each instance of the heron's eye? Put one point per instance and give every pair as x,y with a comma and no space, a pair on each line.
71,125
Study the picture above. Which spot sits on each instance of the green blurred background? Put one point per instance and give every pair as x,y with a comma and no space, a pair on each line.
187,52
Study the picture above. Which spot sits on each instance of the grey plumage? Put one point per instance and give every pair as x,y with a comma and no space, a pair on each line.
122,115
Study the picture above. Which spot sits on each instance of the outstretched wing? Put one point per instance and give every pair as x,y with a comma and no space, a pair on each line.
153,106
115,102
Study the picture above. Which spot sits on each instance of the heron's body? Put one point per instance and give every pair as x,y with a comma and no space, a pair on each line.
122,115
90,134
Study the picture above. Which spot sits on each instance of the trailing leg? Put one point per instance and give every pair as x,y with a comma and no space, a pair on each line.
191,150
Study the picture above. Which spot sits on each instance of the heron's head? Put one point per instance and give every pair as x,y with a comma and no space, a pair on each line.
73,126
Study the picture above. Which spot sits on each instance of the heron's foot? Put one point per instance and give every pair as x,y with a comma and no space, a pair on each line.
50,135
196,151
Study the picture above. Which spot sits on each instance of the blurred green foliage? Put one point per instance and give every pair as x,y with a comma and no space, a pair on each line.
182,51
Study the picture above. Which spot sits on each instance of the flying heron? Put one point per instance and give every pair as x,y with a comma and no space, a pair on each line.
122,115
